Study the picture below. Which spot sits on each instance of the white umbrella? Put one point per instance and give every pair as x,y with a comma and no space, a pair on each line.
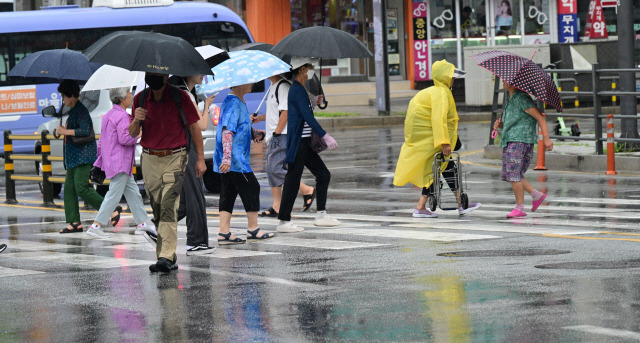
108,76
212,55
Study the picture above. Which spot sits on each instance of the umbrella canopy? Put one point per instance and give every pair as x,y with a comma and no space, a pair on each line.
108,77
244,67
212,55
522,73
148,52
56,64
321,42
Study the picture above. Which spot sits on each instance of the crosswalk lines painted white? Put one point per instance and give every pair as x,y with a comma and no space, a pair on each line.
115,237
320,243
5,272
79,260
605,331
407,234
591,224
38,246
513,228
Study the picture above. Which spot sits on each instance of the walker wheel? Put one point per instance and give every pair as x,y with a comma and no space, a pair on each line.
464,201
432,203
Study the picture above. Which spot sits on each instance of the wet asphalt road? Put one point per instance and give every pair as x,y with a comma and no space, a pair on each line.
567,273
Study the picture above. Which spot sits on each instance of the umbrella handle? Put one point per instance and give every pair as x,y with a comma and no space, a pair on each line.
494,133
55,133
264,97
324,103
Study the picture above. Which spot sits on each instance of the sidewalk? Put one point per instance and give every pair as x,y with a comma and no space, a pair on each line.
567,155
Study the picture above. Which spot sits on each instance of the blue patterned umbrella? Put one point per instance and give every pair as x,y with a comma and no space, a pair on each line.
244,67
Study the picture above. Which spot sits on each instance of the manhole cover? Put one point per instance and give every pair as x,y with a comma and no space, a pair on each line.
593,265
495,253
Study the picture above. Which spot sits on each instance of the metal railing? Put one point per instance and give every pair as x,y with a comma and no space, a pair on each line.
595,94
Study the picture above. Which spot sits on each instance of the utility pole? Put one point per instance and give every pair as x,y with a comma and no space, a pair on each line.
381,57
626,37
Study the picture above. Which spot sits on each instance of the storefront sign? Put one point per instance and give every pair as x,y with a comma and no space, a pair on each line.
567,28
420,42
610,3
595,27
567,6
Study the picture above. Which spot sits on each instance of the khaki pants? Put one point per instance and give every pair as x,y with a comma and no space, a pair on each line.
164,193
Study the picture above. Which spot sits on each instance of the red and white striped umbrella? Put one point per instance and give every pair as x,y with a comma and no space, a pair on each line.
522,73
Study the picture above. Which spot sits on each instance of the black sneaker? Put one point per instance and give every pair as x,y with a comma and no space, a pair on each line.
3,247
151,237
163,265
200,249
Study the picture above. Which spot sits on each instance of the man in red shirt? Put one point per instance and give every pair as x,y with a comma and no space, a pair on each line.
164,158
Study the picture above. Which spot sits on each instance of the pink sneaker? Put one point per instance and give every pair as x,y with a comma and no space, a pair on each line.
423,214
537,203
516,213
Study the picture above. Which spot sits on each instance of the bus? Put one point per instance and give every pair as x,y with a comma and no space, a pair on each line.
22,33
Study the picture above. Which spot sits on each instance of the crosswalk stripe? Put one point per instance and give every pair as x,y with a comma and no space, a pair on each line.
115,237
39,246
5,272
407,234
528,229
573,222
605,331
81,260
320,243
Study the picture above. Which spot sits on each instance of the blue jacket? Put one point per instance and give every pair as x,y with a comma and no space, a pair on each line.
299,112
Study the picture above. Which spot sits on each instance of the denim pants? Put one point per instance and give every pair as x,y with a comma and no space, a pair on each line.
122,184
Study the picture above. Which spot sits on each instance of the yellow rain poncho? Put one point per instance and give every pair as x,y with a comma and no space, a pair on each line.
432,120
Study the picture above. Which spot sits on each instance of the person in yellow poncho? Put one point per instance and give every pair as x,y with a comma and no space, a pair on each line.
431,126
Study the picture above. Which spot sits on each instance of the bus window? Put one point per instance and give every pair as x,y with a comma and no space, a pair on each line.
223,35
90,99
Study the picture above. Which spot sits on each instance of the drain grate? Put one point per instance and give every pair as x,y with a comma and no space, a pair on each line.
497,253
624,264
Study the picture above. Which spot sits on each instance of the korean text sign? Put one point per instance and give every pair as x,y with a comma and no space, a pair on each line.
420,42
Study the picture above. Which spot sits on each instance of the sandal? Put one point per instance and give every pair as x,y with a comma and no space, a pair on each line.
115,219
307,197
74,228
227,239
269,213
254,234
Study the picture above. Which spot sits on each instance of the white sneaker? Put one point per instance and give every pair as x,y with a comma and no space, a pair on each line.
423,214
326,221
289,227
472,207
142,227
97,232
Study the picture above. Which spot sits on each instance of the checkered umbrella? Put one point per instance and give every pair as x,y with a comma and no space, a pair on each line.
522,73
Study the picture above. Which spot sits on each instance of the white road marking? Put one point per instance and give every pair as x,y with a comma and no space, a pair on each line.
115,237
81,260
231,253
24,224
4,272
599,225
514,228
407,234
605,331
39,246
320,243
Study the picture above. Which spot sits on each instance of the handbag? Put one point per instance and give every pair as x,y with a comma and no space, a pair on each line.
84,139
316,143
97,175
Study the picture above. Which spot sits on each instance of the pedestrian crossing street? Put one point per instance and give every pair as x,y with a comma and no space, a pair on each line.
386,230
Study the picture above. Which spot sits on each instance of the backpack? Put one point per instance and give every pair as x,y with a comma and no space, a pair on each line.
278,87
177,99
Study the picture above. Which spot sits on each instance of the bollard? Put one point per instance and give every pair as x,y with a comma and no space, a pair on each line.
8,170
540,162
47,186
560,90
613,88
577,102
611,157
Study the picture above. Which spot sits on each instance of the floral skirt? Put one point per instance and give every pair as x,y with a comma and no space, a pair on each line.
516,157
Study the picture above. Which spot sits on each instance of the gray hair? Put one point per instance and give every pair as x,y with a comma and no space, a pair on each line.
117,95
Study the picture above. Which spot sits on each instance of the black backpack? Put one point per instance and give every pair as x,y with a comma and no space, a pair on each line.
278,87
177,99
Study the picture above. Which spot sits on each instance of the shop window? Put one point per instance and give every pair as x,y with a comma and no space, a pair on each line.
507,22
536,21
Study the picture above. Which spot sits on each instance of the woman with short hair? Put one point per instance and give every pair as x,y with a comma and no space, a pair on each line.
116,155
78,157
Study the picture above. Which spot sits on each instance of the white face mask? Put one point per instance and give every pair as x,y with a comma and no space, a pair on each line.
310,74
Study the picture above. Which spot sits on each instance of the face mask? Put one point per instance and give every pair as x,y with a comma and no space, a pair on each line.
310,74
155,82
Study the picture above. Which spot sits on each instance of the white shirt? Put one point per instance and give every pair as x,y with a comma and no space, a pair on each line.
274,108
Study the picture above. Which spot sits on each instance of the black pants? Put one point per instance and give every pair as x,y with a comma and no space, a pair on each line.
449,174
245,184
193,204
310,159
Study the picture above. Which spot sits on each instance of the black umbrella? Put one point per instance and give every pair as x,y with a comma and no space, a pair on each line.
148,52
321,42
55,65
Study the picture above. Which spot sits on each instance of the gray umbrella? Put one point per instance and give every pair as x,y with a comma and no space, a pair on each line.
321,42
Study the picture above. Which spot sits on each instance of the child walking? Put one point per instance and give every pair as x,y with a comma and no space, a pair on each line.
518,137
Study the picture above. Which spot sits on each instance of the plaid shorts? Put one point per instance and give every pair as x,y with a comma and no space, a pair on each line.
516,157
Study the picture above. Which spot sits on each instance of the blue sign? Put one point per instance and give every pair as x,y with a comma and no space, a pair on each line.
48,95
567,28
